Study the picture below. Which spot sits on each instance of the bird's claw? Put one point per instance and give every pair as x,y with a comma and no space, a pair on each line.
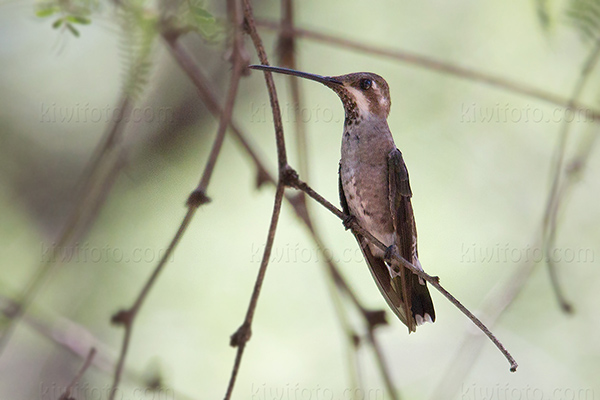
391,254
348,221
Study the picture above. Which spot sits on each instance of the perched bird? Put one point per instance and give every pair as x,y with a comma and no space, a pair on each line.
375,190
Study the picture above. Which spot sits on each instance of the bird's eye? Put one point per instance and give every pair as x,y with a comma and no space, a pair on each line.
365,84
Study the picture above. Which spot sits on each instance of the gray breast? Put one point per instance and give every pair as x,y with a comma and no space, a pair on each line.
365,149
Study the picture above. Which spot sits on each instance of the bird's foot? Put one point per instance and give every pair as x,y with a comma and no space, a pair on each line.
391,256
348,221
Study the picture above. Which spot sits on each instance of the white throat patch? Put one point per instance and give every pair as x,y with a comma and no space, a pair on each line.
361,101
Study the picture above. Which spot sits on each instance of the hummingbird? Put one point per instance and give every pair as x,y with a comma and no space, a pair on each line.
375,190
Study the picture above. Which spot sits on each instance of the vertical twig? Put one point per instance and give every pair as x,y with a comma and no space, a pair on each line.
242,335
555,196
286,49
93,192
503,296
88,361
126,318
197,198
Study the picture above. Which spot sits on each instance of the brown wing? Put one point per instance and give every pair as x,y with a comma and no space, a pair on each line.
379,270
418,300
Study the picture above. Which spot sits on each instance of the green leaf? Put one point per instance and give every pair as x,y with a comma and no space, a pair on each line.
201,13
58,23
74,31
201,20
76,19
46,12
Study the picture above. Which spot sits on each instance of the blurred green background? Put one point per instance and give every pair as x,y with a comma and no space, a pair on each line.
480,184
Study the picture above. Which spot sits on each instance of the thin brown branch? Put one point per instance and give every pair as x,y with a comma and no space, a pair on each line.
240,338
95,185
505,294
439,66
262,56
286,51
127,317
60,331
493,307
371,318
285,173
434,281
239,65
195,200
351,336
88,361
387,380
556,195
210,99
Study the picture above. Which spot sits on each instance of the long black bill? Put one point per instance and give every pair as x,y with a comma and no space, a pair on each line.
327,80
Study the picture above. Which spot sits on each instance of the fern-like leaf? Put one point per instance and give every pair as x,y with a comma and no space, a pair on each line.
584,15
139,33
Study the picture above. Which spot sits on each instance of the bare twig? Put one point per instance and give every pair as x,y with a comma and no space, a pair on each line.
242,335
210,99
439,66
387,380
371,318
95,183
494,306
555,197
88,361
195,200
434,281
76,339
127,317
504,295
286,51
262,55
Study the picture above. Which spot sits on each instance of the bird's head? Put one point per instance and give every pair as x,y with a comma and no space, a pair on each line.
365,95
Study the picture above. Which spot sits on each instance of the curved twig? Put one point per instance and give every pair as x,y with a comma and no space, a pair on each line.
556,193
434,281
197,198
441,67
240,338
88,361
94,184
